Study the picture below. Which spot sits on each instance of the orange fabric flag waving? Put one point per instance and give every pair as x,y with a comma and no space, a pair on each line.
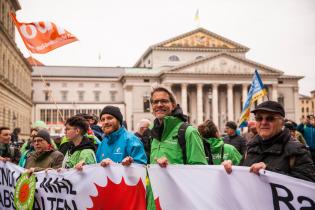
42,37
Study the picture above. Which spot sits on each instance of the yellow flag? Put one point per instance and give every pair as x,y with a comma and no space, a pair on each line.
197,16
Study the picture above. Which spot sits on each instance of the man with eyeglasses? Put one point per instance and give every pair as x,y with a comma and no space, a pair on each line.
273,148
165,148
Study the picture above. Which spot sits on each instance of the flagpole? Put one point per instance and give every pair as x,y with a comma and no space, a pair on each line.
49,91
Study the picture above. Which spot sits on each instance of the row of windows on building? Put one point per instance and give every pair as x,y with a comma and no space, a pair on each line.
13,119
176,58
112,85
54,116
80,95
14,73
5,19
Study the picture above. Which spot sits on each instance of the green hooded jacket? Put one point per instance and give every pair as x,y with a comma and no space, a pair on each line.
230,152
84,151
169,147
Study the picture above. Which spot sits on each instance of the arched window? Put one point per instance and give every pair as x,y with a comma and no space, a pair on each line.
173,58
302,109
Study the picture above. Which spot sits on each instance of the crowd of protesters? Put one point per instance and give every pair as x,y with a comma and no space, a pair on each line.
271,142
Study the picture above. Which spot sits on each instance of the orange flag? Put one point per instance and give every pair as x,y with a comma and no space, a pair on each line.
42,37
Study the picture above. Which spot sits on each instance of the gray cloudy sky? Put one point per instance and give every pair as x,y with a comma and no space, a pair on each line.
280,34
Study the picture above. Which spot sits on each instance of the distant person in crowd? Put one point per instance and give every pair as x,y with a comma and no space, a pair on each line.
5,151
293,132
273,148
220,151
57,141
44,155
15,135
118,145
165,148
233,138
307,129
144,134
80,150
27,147
251,131
97,130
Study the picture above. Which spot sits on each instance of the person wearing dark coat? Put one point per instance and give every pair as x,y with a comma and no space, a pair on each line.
273,148
233,138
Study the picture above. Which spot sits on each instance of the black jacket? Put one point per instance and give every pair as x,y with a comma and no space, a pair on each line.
237,141
278,152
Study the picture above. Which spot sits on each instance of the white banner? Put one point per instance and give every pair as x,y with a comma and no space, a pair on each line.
113,187
210,187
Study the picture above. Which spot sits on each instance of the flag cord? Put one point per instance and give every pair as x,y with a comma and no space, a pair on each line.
50,95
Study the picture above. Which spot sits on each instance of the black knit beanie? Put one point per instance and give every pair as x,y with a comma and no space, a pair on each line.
114,111
44,135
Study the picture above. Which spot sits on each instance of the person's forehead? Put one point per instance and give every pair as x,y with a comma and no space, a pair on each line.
5,132
107,116
38,138
161,94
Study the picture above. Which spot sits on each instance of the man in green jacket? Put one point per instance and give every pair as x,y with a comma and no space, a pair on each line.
165,148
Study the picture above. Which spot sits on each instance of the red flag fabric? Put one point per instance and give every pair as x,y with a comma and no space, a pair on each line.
42,37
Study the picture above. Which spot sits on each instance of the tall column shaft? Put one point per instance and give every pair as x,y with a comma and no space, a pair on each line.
199,104
215,104
275,92
184,98
296,104
230,102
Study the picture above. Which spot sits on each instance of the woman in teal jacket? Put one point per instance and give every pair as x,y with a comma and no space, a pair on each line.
220,151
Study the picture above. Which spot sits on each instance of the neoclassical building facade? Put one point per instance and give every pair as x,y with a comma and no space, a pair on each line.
209,75
15,75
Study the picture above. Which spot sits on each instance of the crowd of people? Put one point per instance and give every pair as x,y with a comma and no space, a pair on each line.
271,142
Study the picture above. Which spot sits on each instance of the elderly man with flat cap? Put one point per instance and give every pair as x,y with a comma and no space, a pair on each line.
273,148
118,145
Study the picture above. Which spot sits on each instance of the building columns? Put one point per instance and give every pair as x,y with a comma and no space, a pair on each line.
199,104
296,104
275,92
184,98
215,104
230,102
128,107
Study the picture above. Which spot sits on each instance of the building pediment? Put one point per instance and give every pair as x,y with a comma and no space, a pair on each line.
200,38
223,64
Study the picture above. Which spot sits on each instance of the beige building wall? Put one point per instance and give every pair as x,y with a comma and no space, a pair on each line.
15,76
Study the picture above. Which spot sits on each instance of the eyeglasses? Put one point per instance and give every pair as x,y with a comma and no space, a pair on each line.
268,118
162,101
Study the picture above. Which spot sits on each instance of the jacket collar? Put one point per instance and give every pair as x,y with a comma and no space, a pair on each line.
112,137
277,145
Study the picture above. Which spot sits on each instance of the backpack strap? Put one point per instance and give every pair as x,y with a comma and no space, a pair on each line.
222,152
181,139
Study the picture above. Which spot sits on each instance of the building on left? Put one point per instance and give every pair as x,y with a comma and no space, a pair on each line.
15,75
